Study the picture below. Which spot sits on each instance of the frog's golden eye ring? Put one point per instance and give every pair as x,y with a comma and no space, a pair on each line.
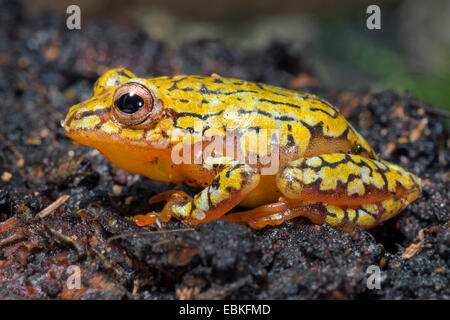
133,103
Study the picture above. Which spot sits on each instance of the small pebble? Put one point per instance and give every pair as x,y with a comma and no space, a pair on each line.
117,190
6,176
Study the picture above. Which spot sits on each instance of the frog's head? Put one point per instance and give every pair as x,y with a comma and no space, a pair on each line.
124,109
125,118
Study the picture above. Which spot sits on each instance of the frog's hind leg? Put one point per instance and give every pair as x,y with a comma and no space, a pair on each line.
348,190
232,183
345,191
341,217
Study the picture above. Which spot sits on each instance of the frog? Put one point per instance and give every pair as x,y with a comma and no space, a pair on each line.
298,156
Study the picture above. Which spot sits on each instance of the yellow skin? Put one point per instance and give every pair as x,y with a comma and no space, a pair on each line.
326,171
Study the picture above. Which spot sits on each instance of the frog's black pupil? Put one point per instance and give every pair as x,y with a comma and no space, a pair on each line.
357,149
129,102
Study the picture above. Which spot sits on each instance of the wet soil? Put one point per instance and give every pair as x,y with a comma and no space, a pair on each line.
45,68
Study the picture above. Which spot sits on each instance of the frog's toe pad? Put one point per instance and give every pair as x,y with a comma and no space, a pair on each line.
143,220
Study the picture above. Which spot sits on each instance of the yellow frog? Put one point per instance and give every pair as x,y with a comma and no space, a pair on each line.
278,152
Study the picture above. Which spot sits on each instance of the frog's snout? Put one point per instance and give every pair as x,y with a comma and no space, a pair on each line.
69,123
84,117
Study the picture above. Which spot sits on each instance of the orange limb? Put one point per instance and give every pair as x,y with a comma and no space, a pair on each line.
278,212
259,212
170,196
167,195
274,219
143,220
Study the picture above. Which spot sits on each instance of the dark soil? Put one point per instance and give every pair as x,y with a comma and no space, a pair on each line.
45,68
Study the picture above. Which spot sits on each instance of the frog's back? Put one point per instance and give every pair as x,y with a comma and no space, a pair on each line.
205,96
216,104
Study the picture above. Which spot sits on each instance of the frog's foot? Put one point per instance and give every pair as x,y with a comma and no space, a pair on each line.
269,214
233,182
278,212
170,196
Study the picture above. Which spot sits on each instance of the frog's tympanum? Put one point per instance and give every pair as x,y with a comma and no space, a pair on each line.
277,152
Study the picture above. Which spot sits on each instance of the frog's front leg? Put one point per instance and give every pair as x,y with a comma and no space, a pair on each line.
231,184
338,189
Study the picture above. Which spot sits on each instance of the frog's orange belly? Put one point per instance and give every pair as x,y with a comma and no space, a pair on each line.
157,165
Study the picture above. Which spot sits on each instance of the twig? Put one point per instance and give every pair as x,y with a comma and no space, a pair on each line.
8,224
55,205
14,238
62,238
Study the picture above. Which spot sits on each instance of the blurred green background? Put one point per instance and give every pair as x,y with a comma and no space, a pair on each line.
410,53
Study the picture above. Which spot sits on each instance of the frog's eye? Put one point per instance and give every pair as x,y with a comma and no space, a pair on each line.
133,103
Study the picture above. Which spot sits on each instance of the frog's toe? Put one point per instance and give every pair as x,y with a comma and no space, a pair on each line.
168,195
172,197
143,220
